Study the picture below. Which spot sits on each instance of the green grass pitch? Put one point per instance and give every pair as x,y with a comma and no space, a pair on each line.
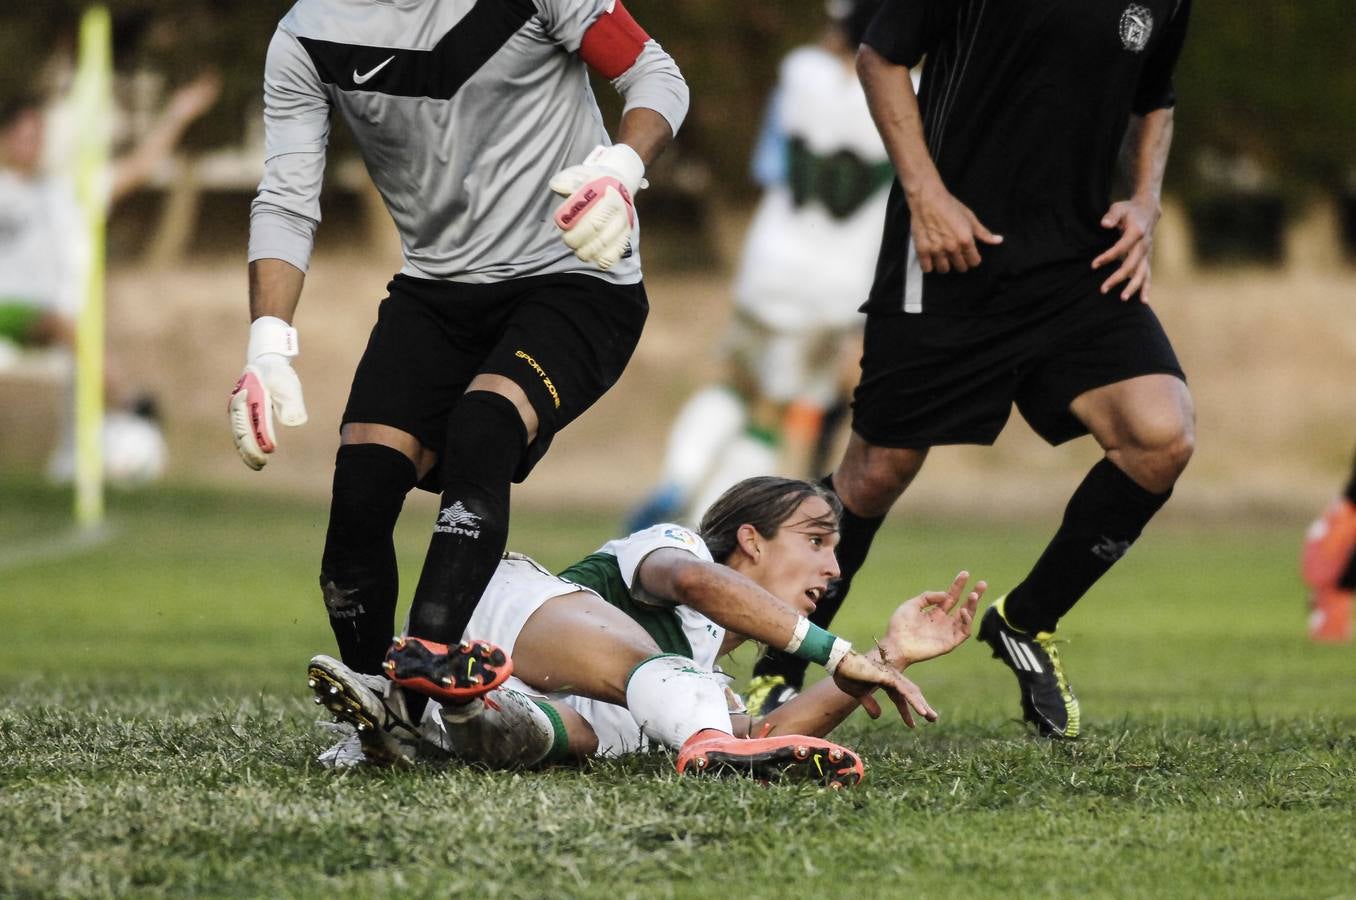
156,736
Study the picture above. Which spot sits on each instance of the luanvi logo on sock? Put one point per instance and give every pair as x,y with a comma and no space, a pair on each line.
457,519
1110,549
340,601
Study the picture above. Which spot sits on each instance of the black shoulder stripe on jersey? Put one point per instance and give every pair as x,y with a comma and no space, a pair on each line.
437,73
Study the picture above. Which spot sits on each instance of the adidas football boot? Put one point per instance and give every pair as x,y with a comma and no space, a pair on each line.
1047,700
456,674
372,705
767,692
791,757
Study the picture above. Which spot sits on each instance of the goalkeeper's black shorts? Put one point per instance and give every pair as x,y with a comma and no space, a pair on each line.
564,339
930,379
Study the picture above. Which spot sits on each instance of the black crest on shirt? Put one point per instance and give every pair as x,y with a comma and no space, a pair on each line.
437,73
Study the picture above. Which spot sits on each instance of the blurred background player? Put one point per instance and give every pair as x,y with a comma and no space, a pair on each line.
1328,566
44,254
514,311
792,347
619,653
1017,127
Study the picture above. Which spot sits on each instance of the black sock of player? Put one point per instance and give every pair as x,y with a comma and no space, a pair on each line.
834,416
1104,517
855,536
358,576
486,442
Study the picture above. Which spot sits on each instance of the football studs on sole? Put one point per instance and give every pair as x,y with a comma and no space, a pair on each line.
801,752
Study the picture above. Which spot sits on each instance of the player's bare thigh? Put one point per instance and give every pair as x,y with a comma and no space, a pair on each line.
1146,425
581,644
423,458
870,479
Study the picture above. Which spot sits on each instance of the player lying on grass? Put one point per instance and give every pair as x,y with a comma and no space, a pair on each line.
618,653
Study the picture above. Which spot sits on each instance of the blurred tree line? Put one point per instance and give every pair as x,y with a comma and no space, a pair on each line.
1273,82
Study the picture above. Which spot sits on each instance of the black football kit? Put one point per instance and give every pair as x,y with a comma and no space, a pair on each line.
1024,107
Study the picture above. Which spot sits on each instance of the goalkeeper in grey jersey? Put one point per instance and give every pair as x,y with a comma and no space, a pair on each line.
514,310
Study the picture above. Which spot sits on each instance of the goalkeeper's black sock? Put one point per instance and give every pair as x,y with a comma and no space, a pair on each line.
855,536
358,575
485,444
1104,517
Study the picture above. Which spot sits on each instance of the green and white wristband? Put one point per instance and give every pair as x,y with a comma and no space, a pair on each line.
809,641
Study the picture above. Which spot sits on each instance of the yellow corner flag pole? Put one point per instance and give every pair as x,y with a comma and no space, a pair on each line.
92,97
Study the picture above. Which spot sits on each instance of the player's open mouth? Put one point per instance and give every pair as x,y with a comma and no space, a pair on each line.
815,594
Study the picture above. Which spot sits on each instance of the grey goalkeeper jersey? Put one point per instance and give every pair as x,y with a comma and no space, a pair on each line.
462,110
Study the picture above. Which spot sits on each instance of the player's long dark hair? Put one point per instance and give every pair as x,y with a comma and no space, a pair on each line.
765,503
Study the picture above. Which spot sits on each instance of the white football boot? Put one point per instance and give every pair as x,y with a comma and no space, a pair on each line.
371,704
504,729
346,754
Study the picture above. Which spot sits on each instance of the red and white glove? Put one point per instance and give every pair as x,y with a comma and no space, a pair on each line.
598,213
267,388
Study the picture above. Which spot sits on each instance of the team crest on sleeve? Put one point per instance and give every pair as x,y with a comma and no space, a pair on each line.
1137,23
681,534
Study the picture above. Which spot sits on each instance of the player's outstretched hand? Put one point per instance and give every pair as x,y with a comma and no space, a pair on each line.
859,675
268,388
945,231
1136,220
923,627
598,213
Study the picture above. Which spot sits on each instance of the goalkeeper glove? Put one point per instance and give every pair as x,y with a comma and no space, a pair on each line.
598,213
269,386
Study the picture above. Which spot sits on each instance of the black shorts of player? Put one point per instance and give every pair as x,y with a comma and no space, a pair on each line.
933,379
564,339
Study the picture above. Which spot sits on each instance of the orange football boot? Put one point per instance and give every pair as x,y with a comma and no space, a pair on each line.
457,674
791,757
1328,549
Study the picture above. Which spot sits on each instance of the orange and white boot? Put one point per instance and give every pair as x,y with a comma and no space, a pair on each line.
1328,549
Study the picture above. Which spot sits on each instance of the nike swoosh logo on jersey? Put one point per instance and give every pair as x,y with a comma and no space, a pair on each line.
363,79
436,73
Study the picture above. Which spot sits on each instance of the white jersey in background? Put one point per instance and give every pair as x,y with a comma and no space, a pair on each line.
44,250
462,111
811,249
